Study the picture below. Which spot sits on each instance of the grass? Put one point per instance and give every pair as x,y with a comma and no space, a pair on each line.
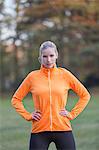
15,131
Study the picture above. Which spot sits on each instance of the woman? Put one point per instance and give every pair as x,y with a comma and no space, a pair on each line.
49,87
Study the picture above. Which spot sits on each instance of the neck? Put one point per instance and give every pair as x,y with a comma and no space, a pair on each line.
42,66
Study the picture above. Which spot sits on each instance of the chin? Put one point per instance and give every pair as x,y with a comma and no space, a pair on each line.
51,66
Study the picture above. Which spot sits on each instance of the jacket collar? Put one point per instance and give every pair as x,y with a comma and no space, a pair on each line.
46,70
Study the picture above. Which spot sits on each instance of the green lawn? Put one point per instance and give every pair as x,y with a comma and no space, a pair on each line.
15,131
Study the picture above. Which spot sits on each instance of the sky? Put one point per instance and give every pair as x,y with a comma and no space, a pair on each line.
9,5
9,9
9,2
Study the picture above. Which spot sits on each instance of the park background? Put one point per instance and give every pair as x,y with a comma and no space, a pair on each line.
74,27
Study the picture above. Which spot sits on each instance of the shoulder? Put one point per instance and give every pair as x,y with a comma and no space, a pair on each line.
64,70
32,74
67,74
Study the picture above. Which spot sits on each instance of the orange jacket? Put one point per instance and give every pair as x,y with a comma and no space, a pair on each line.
49,88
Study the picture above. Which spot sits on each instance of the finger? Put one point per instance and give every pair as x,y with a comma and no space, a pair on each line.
62,114
63,110
38,111
66,112
37,116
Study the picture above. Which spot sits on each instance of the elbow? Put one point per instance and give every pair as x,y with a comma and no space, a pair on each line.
88,96
13,101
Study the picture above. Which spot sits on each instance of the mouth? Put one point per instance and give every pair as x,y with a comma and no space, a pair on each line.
49,64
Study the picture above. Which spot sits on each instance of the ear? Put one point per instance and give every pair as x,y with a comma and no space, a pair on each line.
56,55
39,59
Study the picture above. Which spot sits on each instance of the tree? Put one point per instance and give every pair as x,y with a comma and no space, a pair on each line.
73,27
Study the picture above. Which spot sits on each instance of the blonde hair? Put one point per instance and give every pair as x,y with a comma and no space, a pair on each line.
46,45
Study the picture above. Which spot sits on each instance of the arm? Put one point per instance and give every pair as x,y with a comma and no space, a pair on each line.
81,91
17,98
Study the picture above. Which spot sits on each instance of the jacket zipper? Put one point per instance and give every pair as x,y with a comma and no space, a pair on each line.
49,80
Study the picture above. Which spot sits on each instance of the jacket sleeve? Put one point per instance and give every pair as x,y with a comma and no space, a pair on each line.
81,91
18,96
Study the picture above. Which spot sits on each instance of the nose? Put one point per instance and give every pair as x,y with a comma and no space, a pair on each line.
48,59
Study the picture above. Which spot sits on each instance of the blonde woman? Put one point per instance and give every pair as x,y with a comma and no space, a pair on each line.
49,87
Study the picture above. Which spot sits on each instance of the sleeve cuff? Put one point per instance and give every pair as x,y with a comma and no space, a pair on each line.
29,117
69,116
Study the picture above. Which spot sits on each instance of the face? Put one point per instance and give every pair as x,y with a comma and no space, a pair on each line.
48,57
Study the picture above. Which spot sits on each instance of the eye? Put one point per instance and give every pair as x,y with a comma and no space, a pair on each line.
44,56
52,55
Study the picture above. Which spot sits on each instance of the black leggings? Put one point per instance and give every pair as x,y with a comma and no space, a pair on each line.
63,140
